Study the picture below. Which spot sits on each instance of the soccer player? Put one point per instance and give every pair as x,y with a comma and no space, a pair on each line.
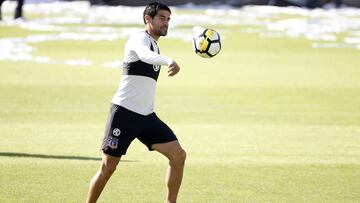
132,110
18,9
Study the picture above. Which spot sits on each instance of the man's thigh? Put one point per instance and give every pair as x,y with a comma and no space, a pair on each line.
169,149
155,132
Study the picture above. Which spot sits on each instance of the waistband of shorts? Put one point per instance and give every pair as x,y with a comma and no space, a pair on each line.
129,111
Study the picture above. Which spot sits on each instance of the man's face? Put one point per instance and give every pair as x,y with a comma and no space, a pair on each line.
160,23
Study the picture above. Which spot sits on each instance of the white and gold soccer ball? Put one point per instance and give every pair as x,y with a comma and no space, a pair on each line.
207,43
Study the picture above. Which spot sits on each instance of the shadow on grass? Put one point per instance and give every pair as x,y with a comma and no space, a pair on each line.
44,156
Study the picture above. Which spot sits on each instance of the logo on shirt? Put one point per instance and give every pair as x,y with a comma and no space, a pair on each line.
156,68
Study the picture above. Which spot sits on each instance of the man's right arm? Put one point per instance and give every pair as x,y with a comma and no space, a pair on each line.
174,68
139,45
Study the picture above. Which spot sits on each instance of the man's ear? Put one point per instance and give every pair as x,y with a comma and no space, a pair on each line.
148,19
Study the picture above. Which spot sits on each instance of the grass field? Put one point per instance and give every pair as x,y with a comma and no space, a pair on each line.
267,120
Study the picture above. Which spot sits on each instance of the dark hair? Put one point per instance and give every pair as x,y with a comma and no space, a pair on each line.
152,9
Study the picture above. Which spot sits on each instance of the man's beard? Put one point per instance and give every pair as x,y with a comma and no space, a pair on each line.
161,32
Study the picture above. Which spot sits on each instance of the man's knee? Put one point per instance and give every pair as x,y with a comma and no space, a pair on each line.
178,158
107,170
108,166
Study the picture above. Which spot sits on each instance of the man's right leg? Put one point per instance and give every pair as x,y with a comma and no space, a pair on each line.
98,182
1,2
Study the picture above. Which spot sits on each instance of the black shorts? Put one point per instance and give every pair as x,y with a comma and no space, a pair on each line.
123,126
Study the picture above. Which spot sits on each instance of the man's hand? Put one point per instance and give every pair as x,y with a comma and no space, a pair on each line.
174,68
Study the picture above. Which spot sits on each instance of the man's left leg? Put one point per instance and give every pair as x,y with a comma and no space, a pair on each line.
176,155
18,10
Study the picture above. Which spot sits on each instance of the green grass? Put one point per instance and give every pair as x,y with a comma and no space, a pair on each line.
267,120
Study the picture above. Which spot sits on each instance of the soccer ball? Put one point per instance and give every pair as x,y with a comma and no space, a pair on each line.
207,43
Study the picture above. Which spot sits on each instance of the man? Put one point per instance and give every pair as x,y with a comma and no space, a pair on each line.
18,10
284,3
132,111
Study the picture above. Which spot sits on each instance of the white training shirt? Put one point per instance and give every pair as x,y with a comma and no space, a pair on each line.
142,63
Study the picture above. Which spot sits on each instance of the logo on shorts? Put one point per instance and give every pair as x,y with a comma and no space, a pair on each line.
111,142
116,132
